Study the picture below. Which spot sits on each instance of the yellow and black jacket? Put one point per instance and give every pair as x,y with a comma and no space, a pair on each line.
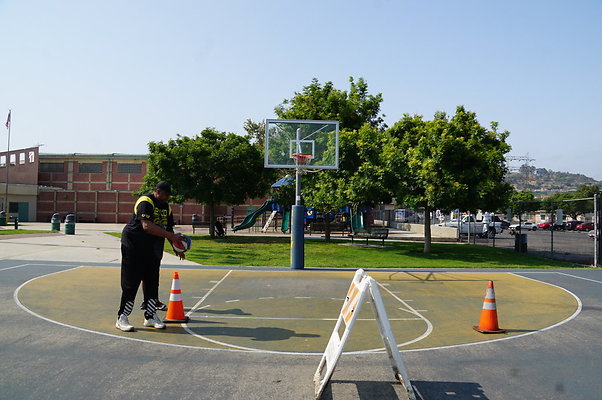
134,236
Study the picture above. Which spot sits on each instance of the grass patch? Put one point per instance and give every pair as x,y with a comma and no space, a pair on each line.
21,231
275,252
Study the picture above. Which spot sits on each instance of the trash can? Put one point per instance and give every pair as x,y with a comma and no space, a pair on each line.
70,224
2,218
520,242
55,222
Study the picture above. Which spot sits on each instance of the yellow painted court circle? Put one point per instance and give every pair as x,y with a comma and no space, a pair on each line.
295,311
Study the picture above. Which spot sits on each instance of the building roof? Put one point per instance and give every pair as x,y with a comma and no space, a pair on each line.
92,156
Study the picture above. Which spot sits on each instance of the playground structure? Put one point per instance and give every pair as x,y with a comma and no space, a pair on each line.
273,217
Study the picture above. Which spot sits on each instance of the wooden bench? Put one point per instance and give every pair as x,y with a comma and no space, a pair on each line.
371,233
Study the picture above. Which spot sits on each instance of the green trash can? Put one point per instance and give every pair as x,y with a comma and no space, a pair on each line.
2,218
70,224
55,222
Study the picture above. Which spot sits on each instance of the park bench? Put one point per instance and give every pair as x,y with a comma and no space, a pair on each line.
334,227
371,233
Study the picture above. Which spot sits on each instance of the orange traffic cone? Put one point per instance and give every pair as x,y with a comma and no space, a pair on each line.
175,309
488,322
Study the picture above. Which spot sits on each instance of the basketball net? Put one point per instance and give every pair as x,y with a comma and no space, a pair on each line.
301,160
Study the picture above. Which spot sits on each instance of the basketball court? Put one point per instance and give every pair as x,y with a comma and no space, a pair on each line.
293,312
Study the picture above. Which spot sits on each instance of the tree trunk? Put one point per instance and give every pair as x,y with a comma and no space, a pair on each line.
326,227
427,230
212,220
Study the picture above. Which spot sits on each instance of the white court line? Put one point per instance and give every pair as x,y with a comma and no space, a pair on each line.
579,307
195,307
429,325
579,277
213,316
198,303
232,301
16,266
25,265
16,299
291,353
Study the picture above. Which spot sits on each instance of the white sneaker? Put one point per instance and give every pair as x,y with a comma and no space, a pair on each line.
154,322
124,324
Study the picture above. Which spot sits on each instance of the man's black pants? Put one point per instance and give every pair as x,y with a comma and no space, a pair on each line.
139,265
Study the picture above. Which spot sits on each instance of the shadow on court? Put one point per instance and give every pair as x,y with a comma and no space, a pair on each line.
431,277
260,334
378,390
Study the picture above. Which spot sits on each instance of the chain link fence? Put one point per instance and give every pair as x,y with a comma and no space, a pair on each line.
564,230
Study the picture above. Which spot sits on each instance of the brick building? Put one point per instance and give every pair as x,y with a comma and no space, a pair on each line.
96,187
22,167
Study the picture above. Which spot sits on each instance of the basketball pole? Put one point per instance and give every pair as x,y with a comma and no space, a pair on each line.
297,217
8,125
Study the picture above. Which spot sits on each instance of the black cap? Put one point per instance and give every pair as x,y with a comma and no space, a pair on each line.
165,186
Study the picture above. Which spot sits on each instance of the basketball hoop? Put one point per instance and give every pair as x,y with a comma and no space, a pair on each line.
302,158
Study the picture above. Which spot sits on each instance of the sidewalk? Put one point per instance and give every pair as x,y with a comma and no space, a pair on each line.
89,245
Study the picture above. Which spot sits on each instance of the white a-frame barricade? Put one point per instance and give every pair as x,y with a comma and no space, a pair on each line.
361,286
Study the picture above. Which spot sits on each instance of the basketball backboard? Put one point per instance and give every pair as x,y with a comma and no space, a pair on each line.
283,138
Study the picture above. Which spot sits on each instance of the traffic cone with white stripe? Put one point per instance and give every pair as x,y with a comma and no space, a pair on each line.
175,309
488,322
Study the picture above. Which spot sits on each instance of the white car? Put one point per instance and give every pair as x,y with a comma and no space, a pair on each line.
524,226
591,234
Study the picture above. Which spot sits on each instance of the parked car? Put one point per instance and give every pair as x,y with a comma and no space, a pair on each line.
586,226
545,225
571,225
503,224
524,226
548,225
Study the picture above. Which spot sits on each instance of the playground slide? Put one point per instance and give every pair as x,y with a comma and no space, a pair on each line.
250,219
286,221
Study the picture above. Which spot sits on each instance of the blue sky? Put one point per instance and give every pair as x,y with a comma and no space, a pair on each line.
110,76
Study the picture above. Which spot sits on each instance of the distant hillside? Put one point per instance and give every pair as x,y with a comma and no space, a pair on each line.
544,182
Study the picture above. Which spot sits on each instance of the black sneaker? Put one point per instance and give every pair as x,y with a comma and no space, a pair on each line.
160,306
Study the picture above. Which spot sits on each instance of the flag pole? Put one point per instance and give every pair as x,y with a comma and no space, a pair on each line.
8,124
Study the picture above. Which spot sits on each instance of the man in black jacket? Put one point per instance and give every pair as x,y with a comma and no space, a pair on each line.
142,242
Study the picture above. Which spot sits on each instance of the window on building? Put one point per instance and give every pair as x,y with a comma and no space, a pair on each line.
32,157
2,161
13,159
21,158
90,168
129,168
52,167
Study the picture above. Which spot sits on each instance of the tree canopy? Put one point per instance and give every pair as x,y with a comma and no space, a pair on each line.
447,164
213,168
351,108
359,179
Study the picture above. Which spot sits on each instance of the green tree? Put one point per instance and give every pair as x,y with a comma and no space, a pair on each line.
359,179
255,133
213,168
576,207
446,164
523,201
351,108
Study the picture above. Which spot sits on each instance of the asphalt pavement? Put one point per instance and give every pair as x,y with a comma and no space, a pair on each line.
45,360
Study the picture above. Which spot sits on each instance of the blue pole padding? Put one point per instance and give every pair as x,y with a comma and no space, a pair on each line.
297,248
